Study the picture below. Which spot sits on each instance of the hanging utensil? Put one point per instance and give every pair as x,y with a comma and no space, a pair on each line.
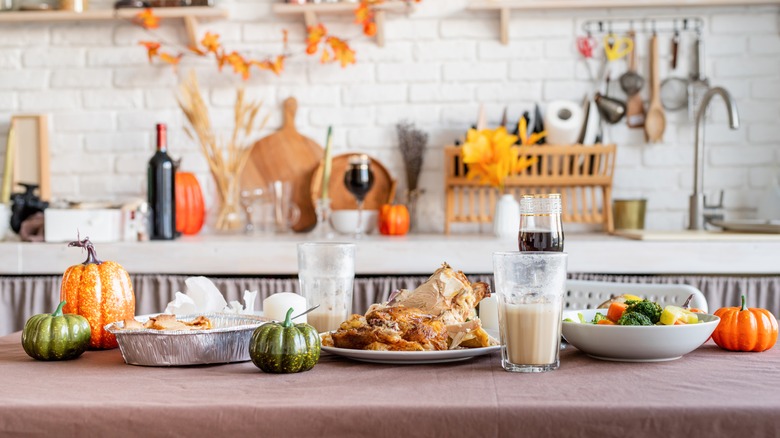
612,110
632,82
655,121
698,84
635,107
586,46
674,90
617,47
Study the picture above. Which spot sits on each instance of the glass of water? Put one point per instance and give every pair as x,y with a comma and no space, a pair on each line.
326,275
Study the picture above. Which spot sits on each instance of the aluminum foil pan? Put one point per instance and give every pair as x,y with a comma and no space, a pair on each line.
227,341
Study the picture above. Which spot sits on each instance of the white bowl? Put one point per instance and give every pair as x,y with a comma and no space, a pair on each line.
636,343
345,221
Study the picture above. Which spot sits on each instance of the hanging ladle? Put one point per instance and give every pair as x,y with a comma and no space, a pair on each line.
632,82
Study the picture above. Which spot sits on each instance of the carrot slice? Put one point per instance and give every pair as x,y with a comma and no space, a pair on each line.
605,322
615,311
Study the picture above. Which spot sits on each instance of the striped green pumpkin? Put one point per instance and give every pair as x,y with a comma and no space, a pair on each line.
285,347
56,336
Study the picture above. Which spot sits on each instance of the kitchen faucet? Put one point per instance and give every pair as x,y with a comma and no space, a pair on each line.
698,209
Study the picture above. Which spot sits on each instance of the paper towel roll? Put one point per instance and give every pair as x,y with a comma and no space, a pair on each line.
563,122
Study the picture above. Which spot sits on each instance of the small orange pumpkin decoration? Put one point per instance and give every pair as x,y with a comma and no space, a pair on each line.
99,291
745,329
393,220
190,208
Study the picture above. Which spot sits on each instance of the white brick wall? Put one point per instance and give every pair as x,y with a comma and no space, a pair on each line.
436,68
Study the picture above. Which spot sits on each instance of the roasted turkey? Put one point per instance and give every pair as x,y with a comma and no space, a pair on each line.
437,315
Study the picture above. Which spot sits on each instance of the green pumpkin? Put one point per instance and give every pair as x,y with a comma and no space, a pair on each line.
56,336
285,347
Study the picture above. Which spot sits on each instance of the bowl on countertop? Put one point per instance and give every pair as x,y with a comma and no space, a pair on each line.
654,343
345,221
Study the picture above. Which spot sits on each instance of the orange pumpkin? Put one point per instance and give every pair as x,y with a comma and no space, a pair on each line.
190,208
99,291
393,220
745,329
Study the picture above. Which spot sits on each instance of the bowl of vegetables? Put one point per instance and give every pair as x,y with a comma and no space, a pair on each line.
637,331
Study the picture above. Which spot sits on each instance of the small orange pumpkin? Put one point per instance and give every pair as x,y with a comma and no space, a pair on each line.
393,220
99,291
745,329
190,208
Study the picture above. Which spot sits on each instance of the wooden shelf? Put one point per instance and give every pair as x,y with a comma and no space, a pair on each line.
505,7
189,14
311,10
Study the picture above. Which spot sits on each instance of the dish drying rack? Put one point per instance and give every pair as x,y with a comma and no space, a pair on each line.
581,174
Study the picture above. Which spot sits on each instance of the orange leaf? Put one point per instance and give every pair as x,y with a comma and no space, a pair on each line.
147,19
171,59
326,57
363,13
152,49
221,59
196,50
210,42
239,64
313,37
341,51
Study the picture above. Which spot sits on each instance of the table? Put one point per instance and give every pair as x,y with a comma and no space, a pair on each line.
708,393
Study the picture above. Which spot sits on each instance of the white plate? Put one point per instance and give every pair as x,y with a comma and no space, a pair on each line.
413,357
636,344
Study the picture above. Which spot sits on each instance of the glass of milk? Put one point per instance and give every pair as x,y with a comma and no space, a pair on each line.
326,273
530,287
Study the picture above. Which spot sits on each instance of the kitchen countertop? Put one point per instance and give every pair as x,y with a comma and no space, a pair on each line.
412,254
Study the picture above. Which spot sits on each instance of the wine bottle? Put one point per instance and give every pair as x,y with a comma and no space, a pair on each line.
161,190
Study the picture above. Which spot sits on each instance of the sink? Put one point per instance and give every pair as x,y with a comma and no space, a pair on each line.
653,235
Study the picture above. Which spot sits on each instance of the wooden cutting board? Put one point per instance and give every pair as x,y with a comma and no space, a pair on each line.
286,155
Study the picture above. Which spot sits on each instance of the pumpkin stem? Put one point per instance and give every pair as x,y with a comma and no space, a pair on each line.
287,321
744,304
58,312
91,254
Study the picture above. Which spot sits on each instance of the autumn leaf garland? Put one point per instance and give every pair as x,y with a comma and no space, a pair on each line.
330,47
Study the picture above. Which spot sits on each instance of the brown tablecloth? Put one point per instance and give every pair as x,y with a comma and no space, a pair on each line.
708,393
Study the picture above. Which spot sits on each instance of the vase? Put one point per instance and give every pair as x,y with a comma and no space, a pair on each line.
230,213
506,220
412,196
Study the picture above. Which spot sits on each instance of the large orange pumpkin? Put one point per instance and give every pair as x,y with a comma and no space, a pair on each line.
745,329
99,291
190,208
393,220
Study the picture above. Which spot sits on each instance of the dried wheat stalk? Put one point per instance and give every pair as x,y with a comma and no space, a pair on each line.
226,159
412,142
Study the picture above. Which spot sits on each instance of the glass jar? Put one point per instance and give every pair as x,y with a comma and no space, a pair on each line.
540,223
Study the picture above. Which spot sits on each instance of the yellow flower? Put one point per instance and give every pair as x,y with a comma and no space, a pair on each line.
492,156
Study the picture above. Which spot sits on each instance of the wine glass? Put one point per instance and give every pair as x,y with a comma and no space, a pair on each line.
359,179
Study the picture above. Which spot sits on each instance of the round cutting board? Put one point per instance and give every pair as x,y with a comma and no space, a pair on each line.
382,192
286,155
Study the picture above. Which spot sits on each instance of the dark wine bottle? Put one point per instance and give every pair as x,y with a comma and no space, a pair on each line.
161,190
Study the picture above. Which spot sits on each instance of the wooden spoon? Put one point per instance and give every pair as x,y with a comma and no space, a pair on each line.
655,121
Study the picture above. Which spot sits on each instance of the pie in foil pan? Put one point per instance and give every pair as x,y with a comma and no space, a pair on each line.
227,341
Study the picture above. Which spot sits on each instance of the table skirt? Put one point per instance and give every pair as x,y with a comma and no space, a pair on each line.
24,296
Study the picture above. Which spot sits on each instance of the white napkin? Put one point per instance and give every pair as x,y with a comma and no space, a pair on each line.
203,297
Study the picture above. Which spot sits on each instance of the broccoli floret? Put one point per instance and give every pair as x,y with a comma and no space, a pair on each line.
648,308
598,317
634,318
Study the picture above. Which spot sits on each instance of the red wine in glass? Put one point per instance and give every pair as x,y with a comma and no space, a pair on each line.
359,179
540,241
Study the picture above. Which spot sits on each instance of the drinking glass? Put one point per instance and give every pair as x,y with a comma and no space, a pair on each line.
540,223
530,287
255,202
326,273
285,212
359,179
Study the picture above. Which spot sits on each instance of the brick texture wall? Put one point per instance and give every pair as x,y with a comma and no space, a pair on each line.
437,67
